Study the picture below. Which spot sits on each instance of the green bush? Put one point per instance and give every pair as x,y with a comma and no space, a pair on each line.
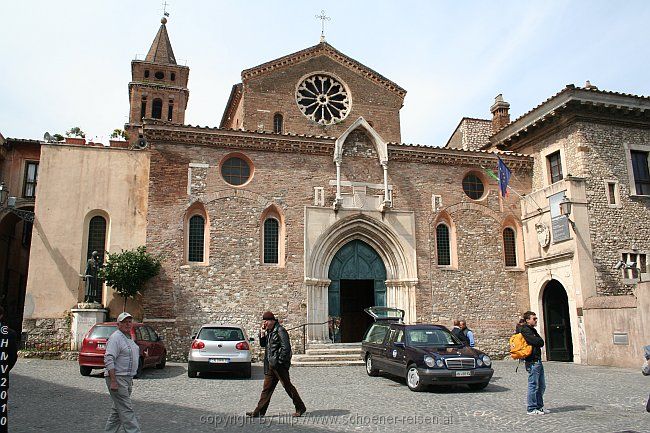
127,272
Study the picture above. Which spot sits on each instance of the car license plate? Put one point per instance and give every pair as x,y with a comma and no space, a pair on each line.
462,373
219,360
101,345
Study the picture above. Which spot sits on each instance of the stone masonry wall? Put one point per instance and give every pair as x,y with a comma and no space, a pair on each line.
595,152
605,158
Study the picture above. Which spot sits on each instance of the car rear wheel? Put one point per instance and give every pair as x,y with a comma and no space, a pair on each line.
370,369
138,375
191,372
246,372
478,386
413,379
85,371
163,361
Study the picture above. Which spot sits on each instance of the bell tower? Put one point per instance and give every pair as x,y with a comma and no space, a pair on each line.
158,87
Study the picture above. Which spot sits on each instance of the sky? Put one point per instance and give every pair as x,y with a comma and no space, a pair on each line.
67,63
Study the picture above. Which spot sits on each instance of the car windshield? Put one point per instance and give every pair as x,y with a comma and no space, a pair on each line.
103,331
221,334
431,337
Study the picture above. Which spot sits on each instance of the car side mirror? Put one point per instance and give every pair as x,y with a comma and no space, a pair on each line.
160,338
398,344
193,337
251,339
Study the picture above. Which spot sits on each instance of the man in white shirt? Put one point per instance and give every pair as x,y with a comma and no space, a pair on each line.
121,363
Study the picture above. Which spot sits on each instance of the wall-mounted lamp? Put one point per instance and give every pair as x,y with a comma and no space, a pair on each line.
7,202
565,209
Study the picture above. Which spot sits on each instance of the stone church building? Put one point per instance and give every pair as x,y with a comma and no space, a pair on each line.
304,201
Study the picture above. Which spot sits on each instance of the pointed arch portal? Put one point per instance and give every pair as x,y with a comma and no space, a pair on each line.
357,260
358,281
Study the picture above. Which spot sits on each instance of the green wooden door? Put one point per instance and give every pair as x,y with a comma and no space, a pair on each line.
356,260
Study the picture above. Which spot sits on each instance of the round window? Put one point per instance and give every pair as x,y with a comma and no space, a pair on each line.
473,186
323,99
159,75
236,171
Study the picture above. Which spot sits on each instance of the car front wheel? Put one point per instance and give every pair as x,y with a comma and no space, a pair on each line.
370,369
85,371
413,379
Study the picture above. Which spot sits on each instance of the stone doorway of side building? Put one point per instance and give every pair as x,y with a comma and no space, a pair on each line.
356,296
557,323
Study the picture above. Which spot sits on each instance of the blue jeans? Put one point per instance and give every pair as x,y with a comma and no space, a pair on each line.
536,385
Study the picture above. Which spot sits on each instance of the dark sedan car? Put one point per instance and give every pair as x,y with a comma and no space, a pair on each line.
423,354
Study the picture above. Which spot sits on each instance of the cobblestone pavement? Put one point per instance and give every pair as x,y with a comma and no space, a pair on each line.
51,396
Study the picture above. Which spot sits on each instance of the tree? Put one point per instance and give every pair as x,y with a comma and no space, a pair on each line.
119,133
75,132
58,137
127,272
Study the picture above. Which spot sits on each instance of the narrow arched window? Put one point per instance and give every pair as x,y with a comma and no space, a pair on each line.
277,123
509,246
143,108
96,237
170,110
156,108
195,251
443,245
271,239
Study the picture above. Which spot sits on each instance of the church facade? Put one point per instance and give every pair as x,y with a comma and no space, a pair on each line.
305,202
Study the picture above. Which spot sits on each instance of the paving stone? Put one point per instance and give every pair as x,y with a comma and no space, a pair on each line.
52,396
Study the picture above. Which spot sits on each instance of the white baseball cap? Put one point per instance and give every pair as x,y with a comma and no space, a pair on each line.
123,316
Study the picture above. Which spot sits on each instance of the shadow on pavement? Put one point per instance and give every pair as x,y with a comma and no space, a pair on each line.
570,408
150,373
446,389
257,372
41,406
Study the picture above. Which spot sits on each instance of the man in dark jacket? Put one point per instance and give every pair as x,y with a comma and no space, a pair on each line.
534,367
277,360
458,333
8,357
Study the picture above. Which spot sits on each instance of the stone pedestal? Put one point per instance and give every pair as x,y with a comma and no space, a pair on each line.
82,320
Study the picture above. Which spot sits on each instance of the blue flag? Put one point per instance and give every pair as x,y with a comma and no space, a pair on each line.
504,177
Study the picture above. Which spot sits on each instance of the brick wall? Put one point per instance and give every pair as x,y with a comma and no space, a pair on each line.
236,287
273,92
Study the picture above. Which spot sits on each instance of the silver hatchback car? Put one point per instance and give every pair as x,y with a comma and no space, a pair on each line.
220,347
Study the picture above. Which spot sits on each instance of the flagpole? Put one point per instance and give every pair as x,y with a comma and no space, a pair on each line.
494,176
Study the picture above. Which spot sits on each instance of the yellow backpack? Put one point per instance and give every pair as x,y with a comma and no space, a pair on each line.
519,347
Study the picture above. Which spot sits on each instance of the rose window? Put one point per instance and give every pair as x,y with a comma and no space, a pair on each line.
323,99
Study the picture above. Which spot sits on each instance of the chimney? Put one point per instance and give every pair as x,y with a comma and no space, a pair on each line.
500,113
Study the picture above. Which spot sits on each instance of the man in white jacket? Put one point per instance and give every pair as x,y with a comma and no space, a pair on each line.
121,363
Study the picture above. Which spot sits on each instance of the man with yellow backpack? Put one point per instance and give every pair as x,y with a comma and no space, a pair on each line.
526,344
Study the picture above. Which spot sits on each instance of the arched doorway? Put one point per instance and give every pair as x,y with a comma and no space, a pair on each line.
557,324
15,242
358,281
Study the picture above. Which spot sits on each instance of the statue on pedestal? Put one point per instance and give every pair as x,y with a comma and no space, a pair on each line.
93,282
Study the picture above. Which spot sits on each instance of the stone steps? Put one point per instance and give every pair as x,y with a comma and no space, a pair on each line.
326,363
329,355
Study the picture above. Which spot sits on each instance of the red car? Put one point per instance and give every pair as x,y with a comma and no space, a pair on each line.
152,349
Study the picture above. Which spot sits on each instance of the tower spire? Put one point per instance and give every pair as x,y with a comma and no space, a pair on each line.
161,49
